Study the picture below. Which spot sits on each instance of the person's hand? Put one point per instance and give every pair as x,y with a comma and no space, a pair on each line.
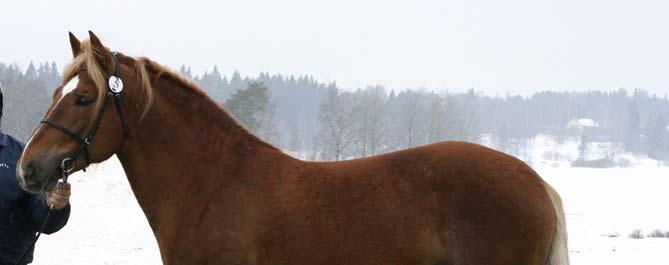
59,197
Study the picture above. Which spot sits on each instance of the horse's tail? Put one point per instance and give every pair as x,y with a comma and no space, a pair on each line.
559,253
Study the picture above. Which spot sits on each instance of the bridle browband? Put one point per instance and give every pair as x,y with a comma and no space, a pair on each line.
67,165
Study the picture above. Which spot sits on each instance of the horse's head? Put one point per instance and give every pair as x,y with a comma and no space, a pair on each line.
80,104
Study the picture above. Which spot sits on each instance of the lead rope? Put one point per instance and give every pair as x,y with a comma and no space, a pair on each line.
66,173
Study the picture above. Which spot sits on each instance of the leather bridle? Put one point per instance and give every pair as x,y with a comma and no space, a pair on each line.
114,87
113,93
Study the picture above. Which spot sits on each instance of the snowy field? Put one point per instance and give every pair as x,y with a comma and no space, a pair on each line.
604,206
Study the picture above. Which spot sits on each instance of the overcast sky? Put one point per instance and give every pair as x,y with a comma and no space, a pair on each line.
515,46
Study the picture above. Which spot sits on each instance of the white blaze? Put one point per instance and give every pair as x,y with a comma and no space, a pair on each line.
69,87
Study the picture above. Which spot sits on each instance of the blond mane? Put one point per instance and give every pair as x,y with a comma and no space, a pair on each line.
88,59
144,65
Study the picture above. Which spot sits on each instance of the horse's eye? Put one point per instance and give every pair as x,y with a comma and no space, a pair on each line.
82,101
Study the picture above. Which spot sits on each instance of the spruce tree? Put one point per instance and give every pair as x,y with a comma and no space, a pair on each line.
246,105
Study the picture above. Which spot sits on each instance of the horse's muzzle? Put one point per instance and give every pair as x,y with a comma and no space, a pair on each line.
39,175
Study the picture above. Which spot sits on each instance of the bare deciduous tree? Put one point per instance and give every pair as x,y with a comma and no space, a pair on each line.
411,123
267,129
466,122
370,126
336,117
438,115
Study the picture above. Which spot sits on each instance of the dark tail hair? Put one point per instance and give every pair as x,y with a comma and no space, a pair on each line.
1,104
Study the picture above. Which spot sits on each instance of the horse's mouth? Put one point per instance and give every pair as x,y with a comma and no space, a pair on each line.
52,180
49,184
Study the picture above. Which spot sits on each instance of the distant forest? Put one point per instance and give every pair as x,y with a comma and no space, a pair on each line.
321,121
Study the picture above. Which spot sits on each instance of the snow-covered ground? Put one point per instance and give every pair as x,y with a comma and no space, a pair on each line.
603,203
108,227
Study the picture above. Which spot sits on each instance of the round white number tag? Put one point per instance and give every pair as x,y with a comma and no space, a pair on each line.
115,84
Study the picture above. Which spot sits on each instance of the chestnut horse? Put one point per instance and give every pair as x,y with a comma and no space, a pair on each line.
213,193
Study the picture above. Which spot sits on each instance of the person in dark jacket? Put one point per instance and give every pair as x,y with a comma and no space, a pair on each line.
22,213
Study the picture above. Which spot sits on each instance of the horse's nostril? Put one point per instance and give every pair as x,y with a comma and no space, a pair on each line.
28,177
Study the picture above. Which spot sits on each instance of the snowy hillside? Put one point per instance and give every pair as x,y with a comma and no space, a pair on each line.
603,207
546,151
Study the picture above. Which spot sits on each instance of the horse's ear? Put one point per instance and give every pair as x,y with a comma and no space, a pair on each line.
95,41
75,44
104,57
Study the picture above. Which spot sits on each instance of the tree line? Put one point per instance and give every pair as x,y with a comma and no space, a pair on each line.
321,121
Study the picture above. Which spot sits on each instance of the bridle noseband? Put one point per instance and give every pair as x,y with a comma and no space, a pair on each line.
114,87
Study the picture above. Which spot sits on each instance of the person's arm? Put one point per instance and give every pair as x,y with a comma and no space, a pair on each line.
39,209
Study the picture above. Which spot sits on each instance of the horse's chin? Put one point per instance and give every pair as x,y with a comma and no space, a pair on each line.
51,183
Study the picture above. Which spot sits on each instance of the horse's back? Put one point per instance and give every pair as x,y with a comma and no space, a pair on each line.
445,202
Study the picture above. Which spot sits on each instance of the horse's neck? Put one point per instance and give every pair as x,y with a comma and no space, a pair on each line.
186,144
